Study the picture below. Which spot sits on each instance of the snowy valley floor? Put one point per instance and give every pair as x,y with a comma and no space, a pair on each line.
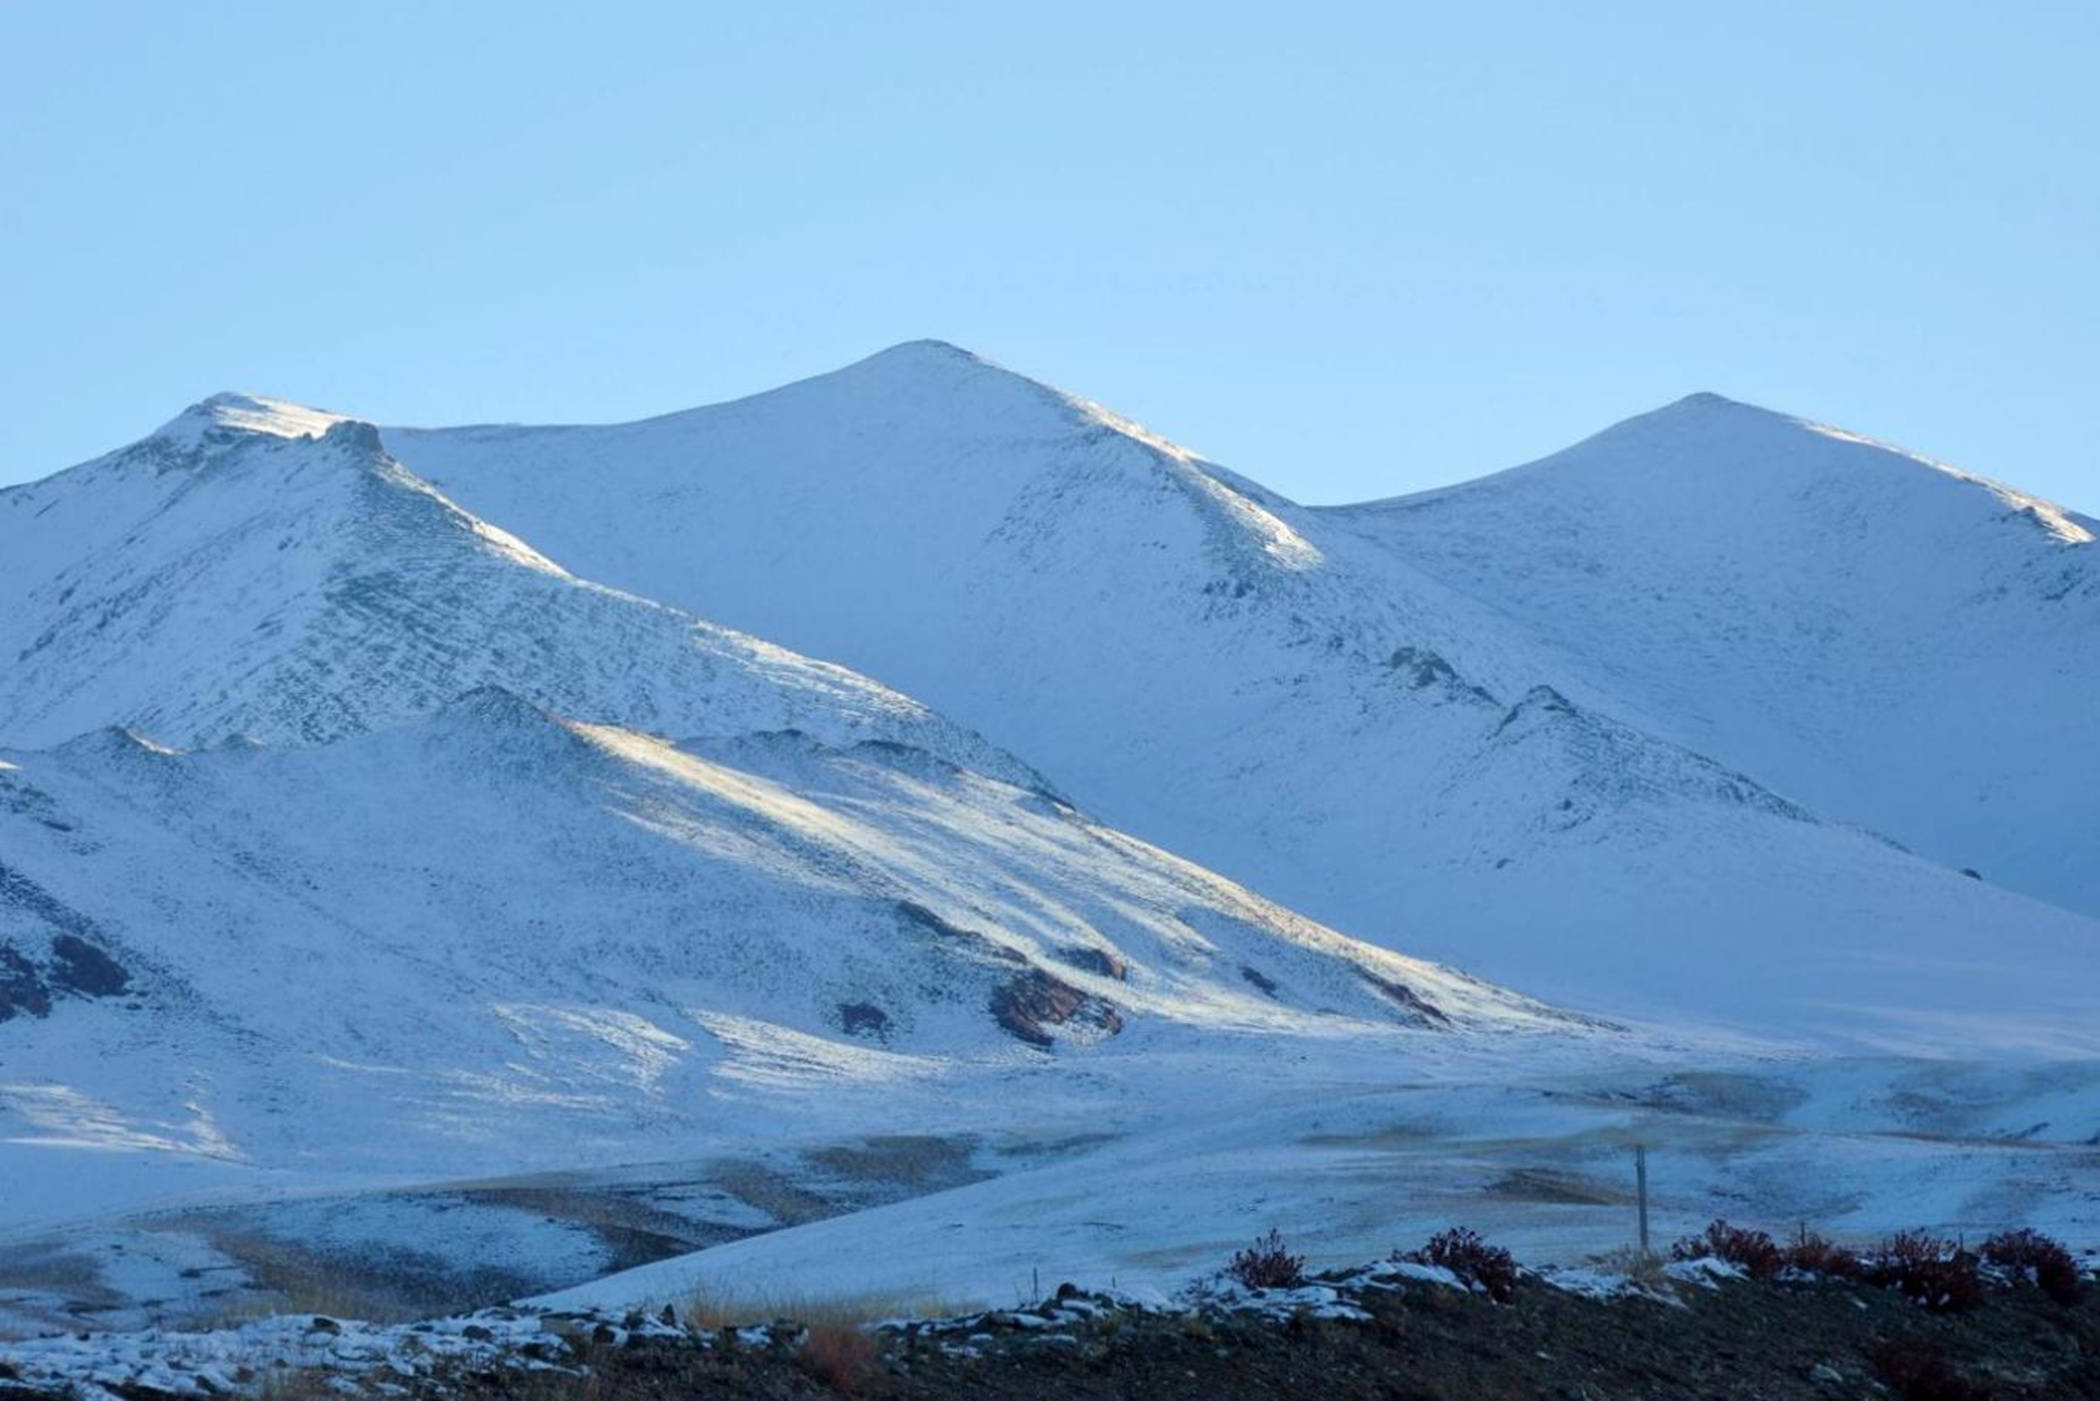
993,1193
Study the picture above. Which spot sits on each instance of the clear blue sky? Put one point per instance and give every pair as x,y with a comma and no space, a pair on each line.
1350,250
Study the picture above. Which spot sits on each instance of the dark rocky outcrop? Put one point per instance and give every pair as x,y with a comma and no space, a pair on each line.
1420,1010
22,988
920,917
1029,1003
864,1019
81,967
1421,668
1099,962
77,965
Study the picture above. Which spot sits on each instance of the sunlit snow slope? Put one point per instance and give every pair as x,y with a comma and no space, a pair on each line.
514,941
1296,698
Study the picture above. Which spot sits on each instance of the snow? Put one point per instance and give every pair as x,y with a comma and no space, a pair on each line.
477,927
224,416
1353,1169
248,1358
1639,759
300,589
442,838
1885,639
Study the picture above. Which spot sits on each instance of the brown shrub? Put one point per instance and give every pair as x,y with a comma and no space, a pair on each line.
1936,1272
1812,1254
838,1355
2033,1256
1267,1265
1754,1252
1473,1260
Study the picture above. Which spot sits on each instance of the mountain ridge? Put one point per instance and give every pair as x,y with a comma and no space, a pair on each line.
302,584
1880,636
1695,413
497,919
995,559
1284,692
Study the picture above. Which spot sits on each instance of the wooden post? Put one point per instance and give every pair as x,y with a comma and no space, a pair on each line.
1640,1181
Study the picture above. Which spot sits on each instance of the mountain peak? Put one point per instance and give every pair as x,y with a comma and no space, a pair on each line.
1707,399
245,413
922,365
928,380
1731,438
927,350
928,345
1706,407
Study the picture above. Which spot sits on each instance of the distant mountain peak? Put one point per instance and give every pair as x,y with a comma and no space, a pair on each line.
245,413
1741,432
923,357
912,367
1707,405
928,348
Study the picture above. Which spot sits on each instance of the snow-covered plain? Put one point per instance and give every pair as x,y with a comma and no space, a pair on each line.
1351,1166
399,853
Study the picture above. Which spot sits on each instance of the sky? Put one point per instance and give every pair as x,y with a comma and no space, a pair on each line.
1349,250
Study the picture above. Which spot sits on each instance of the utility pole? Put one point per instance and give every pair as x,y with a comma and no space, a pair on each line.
1640,1184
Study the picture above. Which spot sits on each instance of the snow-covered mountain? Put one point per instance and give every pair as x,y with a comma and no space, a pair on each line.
493,939
1355,725
258,569
379,807
319,856
1881,637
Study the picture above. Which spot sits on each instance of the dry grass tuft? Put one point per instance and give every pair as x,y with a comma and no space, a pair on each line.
838,1355
708,1310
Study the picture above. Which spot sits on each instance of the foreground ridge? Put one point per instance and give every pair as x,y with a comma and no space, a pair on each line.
1346,1332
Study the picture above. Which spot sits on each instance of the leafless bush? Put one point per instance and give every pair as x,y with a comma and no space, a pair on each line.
1812,1254
2033,1256
1936,1272
1753,1252
1473,1260
1267,1265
